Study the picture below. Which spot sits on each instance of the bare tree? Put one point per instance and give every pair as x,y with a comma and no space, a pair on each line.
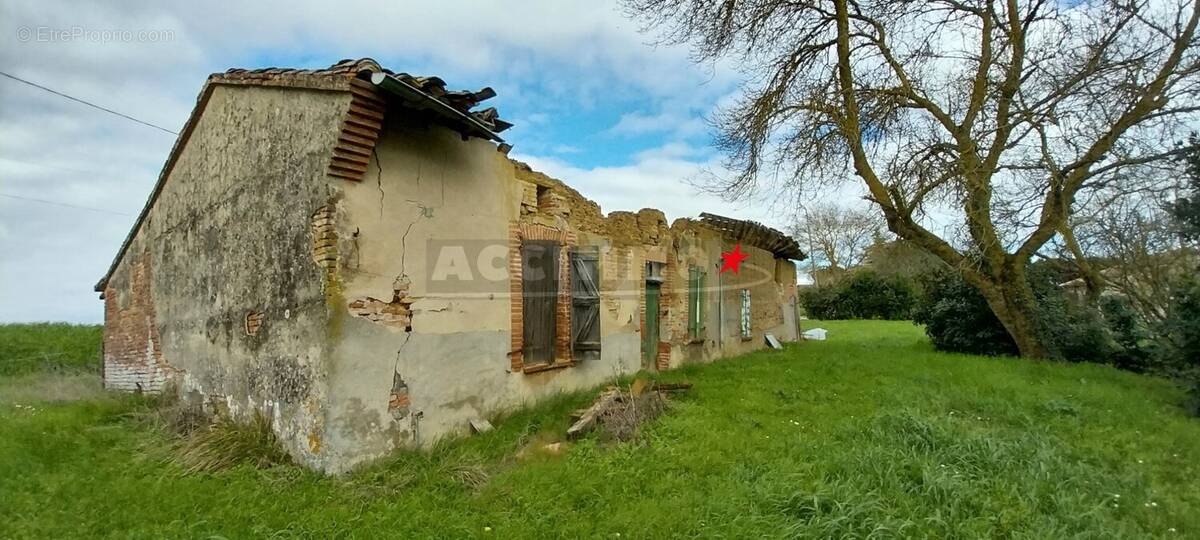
838,236
1009,111
1140,249
1096,230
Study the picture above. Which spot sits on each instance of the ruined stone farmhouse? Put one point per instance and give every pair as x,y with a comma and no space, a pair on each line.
351,252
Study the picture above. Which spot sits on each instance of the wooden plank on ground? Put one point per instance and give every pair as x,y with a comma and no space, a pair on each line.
588,420
672,387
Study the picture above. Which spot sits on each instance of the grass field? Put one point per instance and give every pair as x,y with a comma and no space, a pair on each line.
40,347
49,362
870,433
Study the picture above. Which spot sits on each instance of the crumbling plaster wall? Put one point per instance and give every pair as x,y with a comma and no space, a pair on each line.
444,355
394,385
767,303
767,278
220,284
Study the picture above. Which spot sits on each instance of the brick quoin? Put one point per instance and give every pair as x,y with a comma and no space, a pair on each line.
132,353
516,353
663,358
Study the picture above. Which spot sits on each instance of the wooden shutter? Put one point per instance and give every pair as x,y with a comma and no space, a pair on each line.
585,303
539,284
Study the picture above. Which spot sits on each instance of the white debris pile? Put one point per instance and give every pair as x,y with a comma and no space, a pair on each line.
816,334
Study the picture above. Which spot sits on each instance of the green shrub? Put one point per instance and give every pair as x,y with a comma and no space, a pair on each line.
865,294
1183,331
957,318
1185,323
1071,330
822,303
1135,348
868,295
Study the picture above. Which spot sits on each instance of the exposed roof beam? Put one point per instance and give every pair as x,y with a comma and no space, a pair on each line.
414,98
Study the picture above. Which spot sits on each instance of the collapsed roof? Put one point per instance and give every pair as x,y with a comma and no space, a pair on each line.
755,234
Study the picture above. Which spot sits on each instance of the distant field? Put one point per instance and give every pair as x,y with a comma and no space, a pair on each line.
869,434
36,347
49,362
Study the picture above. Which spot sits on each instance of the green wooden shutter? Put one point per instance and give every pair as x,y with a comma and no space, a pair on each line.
693,302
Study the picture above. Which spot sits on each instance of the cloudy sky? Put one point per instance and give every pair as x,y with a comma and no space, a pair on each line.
594,103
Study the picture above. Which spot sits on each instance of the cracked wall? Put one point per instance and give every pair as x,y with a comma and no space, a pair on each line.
394,384
395,312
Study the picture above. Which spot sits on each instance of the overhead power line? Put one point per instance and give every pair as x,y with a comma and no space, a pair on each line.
88,103
56,203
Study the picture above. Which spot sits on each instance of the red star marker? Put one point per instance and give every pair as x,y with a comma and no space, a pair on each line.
733,259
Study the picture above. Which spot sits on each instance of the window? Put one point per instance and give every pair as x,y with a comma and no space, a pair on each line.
539,290
549,202
745,313
695,303
585,303
654,271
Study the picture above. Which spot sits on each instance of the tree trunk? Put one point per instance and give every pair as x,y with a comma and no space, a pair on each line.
1022,327
1091,278
1011,299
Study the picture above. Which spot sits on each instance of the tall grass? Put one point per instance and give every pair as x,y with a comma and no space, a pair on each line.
228,443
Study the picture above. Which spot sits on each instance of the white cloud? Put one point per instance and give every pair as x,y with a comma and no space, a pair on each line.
672,150
534,119
681,125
